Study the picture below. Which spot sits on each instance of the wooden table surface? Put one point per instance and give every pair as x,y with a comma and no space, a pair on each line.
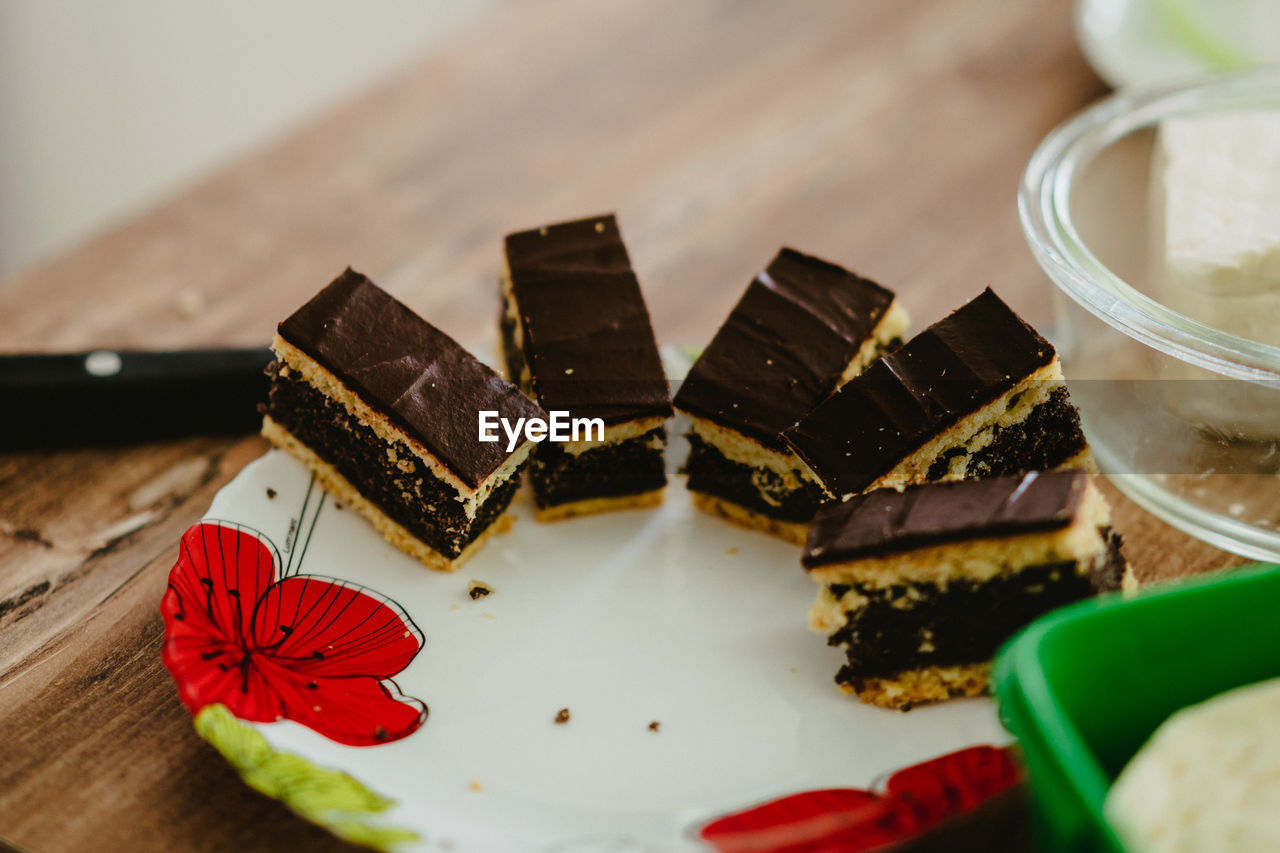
889,136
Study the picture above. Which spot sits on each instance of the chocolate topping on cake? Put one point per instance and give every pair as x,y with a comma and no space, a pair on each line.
886,520
784,346
586,331
952,368
408,370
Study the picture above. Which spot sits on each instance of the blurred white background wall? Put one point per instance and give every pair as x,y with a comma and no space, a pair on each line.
108,107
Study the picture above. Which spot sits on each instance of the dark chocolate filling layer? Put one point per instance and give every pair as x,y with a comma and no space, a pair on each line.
414,499
710,472
610,470
964,621
1048,436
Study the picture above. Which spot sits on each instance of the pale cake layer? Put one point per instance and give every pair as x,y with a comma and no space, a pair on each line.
791,531
1082,460
618,433
343,490
318,377
905,690
512,315
591,506
739,448
828,614
1129,580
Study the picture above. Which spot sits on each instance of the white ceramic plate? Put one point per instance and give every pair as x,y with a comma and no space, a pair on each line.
664,615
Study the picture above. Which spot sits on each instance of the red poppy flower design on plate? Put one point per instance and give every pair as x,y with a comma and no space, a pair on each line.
272,645
913,801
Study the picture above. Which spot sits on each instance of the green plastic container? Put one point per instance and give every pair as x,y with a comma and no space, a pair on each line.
1086,686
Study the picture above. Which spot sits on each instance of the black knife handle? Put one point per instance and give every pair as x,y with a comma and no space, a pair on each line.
123,396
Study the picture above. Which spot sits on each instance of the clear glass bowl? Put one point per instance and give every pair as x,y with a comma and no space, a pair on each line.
1184,417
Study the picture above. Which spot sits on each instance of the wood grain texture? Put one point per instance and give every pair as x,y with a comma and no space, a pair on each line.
889,136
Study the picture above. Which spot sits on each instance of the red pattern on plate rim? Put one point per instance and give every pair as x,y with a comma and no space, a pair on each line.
911,802
318,651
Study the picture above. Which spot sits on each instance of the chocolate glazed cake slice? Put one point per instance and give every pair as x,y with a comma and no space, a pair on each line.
577,338
921,586
803,328
977,394
384,408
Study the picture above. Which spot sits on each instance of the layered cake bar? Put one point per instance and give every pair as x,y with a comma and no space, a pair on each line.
576,337
977,394
383,408
921,586
803,328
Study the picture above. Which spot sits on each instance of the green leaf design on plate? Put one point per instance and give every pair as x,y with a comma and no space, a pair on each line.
335,800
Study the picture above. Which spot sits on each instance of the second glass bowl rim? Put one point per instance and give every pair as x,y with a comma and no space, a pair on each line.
1044,200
